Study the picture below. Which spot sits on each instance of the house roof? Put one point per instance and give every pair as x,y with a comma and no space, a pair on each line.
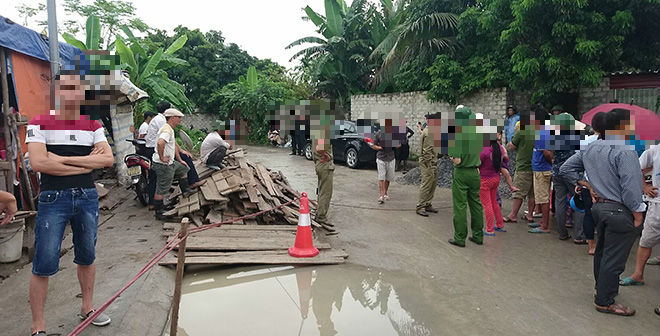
636,72
27,41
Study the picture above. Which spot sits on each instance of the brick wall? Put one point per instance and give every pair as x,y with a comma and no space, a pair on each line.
413,106
589,98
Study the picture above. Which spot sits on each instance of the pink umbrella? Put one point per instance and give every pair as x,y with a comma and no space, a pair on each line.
647,123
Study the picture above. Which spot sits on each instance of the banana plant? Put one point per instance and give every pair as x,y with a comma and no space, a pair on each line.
339,56
250,83
148,71
93,32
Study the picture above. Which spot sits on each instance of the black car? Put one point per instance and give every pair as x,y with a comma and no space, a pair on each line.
349,147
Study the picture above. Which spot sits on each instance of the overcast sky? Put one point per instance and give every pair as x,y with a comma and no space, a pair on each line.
261,27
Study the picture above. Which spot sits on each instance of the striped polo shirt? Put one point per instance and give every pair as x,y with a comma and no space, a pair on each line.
65,138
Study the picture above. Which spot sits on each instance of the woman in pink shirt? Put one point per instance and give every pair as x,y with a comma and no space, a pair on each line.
494,161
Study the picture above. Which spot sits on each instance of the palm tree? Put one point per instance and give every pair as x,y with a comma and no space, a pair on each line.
402,34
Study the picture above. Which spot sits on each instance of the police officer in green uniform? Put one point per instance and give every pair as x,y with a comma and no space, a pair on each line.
325,169
466,181
428,164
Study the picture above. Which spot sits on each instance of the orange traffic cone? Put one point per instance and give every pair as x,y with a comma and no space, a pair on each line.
304,248
304,281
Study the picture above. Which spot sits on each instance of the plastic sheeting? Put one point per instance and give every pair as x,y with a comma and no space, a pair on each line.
27,41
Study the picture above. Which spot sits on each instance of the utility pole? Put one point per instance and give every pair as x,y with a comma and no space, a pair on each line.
53,42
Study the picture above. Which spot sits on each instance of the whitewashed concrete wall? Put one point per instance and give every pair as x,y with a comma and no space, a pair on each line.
122,120
414,105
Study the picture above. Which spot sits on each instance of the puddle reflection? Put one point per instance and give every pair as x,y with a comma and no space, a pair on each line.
315,300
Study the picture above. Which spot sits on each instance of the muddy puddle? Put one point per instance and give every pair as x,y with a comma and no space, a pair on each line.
314,300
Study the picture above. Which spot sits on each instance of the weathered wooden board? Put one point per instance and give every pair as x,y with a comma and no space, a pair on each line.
330,256
194,199
214,216
210,191
206,243
220,232
265,178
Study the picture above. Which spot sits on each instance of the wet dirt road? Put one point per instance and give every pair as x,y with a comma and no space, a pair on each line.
403,278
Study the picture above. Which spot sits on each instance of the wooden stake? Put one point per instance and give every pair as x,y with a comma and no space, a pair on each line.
181,255
7,132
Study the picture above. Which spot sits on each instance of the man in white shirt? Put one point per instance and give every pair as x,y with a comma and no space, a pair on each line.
650,159
164,164
142,131
214,147
181,155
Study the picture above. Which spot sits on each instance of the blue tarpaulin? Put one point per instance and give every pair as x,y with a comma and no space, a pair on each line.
27,41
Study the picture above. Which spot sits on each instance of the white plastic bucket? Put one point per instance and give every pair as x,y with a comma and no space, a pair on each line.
11,241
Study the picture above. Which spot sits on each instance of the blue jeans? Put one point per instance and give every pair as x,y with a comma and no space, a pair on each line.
78,206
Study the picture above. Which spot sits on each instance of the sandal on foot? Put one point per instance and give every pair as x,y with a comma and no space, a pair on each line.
653,261
579,242
565,237
509,220
486,233
498,229
537,230
533,225
630,282
39,333
616,309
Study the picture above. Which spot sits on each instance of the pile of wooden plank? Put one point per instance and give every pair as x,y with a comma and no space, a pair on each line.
240,189
247,244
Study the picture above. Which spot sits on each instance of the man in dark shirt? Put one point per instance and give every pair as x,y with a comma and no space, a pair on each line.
65,147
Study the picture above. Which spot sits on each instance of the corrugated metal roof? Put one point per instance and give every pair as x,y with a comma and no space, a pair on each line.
636,72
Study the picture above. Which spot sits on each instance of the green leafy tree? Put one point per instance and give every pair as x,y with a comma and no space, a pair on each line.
27,12
481,61
410,36
211,64
549,47
250,98
113,16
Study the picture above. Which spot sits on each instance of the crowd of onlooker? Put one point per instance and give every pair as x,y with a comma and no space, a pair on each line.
592,178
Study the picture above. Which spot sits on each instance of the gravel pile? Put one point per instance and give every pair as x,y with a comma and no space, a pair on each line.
445,171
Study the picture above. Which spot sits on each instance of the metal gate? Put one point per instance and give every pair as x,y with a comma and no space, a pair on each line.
648,98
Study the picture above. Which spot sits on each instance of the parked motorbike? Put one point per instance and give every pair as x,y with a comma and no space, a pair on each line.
138,170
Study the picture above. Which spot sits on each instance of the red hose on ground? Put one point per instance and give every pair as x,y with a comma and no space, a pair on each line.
160,255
